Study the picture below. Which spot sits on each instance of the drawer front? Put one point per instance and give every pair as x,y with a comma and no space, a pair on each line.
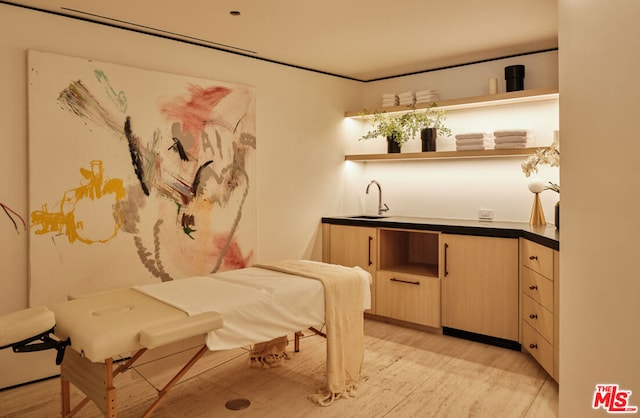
536,286
538,317
537,257
538,347
408,297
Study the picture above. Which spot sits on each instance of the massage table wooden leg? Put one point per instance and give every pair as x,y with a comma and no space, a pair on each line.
96,381
163,393
296,341
93,384
297,335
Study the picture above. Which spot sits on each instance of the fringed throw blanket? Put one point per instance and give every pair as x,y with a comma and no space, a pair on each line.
269,354
344,298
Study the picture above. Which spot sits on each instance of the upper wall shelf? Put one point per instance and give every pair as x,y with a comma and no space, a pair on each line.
442,155
522,96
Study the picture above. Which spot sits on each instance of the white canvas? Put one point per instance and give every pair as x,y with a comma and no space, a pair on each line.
135,176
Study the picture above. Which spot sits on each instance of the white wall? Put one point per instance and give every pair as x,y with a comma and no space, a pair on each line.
600,234
299,126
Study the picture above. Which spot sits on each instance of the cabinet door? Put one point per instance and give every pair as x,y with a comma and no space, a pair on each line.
408,297
480,285
354,246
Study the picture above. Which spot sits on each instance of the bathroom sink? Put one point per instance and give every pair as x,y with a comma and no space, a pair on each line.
368,217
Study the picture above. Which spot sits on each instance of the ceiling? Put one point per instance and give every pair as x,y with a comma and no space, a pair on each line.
359,39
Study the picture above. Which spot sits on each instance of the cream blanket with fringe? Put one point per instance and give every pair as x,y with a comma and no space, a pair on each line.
344,299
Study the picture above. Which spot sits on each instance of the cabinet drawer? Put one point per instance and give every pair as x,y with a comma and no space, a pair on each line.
408,297
538,317
537,257
538,347
538,287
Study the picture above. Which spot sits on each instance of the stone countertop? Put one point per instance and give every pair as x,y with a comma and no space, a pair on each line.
548,235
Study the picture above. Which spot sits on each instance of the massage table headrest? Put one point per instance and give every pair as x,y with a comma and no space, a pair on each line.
22,325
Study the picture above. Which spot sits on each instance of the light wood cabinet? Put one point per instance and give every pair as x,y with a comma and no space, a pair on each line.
352,246
407,280
480,285
539,281
503,291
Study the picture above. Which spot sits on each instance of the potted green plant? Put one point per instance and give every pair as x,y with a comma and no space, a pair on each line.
430,123
398,128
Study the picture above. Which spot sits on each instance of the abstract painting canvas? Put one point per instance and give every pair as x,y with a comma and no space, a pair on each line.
135,176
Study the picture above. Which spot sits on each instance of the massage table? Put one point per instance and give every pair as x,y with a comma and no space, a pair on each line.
230,309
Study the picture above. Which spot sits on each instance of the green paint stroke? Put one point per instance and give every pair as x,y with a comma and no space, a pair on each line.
119,99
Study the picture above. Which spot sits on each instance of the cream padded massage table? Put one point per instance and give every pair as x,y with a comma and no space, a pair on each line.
231,309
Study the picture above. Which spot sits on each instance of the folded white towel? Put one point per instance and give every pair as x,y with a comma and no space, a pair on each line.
405,94
508,139
427,99
511,145
390,101
425,92
511,132
474,141
470,147
388,95
471,135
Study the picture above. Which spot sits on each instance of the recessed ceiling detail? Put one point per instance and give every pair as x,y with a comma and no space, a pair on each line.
356,39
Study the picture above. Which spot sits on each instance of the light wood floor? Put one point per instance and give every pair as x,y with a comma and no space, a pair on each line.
406,373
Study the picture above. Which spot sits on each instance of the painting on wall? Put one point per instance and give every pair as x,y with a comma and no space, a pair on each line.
135,176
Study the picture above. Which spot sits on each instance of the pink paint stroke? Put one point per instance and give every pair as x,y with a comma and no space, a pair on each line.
195,111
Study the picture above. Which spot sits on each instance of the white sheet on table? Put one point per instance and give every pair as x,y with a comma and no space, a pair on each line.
256,304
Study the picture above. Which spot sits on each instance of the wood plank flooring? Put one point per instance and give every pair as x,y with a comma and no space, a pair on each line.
406,373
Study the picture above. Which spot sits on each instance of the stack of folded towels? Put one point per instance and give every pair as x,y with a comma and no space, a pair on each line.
427,96
407,98
473,141
512,138
389,99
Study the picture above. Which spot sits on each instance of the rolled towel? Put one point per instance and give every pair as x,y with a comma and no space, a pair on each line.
405,94
512,132
426,92
388,95
470,135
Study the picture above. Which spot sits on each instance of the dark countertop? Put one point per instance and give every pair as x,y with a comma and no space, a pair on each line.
548,235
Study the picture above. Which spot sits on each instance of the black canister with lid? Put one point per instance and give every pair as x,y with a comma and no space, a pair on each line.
514,76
